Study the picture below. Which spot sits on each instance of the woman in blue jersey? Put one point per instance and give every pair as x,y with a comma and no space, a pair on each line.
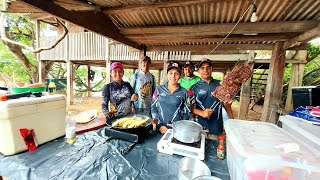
169,102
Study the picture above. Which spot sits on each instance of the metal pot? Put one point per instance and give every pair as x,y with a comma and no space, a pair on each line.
187,131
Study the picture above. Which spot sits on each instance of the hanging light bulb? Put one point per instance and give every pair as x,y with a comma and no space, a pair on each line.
254,16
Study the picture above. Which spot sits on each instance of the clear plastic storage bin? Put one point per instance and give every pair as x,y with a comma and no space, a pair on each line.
260,150
306,131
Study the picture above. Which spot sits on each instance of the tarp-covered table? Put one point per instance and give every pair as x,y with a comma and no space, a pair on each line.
95,156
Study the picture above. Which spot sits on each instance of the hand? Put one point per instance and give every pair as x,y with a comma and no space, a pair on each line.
163,129
206,113
134,97
154,124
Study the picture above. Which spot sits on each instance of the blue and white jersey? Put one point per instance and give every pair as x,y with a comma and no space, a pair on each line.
119,95
143,85
202,99
170,107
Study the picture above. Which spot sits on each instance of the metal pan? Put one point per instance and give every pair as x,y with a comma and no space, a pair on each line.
142,130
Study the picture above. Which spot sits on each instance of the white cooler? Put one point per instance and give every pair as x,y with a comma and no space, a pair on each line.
45,115
261,150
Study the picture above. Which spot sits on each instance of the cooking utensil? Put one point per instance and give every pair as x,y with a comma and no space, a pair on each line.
141,130
190,168
187,131
115,134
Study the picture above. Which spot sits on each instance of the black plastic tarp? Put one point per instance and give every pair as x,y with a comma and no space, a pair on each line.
95,156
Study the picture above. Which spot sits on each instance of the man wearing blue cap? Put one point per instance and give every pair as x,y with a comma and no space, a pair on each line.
203,103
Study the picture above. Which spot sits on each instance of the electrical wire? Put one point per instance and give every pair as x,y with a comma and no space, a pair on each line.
230,31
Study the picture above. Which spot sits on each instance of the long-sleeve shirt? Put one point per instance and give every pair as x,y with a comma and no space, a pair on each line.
204,100
143,85
167,106
186,82
119,95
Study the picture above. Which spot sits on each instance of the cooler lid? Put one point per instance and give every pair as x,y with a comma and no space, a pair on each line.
303,127
31,100
262,141
303,87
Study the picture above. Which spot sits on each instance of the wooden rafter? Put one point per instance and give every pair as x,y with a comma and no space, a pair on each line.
204,49
303,38
223,29
233,38
96,22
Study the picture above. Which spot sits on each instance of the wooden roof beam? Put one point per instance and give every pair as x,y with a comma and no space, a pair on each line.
96,22
223,29
303,38
205,49
174,38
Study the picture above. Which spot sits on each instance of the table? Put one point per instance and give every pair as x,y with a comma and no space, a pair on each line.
95,156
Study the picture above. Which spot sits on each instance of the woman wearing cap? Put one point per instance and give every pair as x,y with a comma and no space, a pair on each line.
119,93
170,100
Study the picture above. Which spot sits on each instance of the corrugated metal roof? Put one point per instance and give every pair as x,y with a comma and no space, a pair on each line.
151,13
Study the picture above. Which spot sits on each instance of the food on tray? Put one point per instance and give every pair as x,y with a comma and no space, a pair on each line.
86,116
226,93
130,122
232,82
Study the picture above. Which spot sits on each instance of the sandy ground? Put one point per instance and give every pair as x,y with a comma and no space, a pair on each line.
94,103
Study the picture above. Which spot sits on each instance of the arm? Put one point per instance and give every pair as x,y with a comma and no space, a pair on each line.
228,108
153,88
134,96
105,99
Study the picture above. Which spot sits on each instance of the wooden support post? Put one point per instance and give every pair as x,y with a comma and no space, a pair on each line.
88,80
70,73
274,84
41,64
108,62
143,53
296,78
159,77
70,79
246,92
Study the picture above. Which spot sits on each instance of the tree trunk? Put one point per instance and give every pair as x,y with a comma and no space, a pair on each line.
30,68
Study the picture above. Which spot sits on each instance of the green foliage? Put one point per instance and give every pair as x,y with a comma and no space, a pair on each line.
11,66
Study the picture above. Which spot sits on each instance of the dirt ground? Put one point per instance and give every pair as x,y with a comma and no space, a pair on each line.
94,103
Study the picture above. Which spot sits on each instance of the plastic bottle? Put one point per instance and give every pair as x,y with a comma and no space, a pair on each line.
52,87
220,149
70,129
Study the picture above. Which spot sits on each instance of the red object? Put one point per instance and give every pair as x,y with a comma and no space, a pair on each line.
97,123
116,65
3,98
29,139
220,148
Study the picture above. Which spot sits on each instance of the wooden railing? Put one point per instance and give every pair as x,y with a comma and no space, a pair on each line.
92,46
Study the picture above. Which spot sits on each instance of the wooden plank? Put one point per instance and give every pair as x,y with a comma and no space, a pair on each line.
205,49
274,84
223,29
97,22
221,57
303,38
70,80
246,92
88,80
296,79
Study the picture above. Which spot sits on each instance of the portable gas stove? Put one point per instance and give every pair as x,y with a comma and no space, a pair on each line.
169,145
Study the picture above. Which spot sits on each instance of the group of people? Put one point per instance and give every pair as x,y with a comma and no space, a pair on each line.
188,97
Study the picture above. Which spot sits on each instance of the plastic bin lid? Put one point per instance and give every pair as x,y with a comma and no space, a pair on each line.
303,127
266,142
31,100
